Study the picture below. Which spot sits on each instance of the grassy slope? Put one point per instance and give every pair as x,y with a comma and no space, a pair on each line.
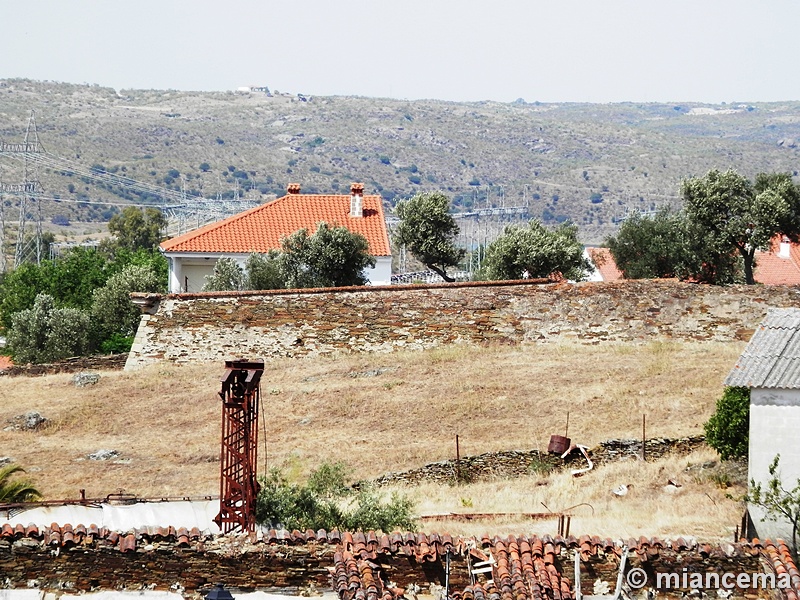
165,421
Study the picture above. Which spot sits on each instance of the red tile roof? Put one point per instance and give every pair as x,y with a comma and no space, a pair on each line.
262,228
604,262
771,269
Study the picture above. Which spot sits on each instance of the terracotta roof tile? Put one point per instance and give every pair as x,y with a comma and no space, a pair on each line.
774,270
525,568
262,228
604,262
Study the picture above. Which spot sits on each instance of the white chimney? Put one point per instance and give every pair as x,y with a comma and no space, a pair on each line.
356,200
785,248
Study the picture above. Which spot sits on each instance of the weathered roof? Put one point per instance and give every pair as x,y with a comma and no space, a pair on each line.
262,228
772,357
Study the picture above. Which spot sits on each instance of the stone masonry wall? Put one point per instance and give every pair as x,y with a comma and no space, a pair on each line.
216,326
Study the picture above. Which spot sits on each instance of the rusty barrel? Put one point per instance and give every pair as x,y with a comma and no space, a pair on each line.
558,444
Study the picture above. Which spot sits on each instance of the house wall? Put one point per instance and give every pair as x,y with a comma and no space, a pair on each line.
195,276
774,423
196,269
381,274
221,325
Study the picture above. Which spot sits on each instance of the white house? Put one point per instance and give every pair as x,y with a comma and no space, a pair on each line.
770,367
193,255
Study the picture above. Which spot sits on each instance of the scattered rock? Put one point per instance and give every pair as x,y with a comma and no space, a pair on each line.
103,455
30,421
6,460
83,379
373,372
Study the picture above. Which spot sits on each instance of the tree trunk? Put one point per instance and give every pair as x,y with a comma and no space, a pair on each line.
441,273
748,266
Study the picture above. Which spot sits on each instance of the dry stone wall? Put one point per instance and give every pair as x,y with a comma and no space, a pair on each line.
110,362
216,326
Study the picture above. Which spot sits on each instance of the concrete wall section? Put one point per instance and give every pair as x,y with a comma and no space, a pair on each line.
216,326
774,423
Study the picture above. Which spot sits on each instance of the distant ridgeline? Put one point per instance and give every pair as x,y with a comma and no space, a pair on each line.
215,326
588,163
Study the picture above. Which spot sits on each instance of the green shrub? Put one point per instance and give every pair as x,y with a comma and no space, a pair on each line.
116,344
227,276
114,316
45,333
727,431
325,501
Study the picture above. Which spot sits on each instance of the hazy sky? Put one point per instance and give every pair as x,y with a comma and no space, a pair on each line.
555,50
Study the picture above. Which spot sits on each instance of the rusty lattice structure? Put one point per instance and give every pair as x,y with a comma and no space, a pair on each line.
238,486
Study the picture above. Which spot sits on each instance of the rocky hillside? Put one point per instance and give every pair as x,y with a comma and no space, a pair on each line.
586,162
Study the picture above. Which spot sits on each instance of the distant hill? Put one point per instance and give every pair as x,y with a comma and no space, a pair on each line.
585,162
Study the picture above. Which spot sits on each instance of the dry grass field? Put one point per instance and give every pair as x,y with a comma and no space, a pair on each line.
392,412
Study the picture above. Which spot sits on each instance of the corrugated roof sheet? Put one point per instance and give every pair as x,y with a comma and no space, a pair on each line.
772,357
262,228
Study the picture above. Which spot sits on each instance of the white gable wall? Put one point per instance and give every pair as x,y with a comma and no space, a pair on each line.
187,272
774,423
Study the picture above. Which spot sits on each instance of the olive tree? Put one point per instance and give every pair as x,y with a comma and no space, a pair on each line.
428,230
264,272
114,315
227,276
536,251
44,333
735,216
331,257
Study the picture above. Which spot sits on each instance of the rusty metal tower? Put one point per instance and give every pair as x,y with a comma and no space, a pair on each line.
238,486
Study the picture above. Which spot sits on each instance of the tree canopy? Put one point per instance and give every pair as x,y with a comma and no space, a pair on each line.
136,229
648,247
725,219
536,251
44,333
227,276
88,281
113,313
264,271
428,230
728,429
331,257
735,216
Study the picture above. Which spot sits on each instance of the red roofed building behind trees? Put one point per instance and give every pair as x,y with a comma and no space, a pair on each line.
193,255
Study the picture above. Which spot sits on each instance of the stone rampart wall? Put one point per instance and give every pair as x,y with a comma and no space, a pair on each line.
216,326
